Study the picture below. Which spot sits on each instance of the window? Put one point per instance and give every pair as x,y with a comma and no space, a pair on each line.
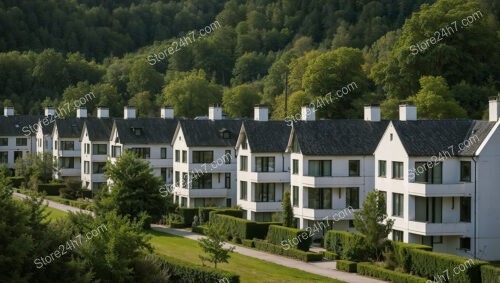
397,204
351,224
177,156
202,181
184,156
67,162
227,156
263,217
465,243
86,148
397,170
429,174
18,154
163,153
4,141
116,151
66,145
203,156
243,163
98,185
352,197
382,168
244,144
98,167
465,171
397,236
163,172
185,180
142,152
465,209
264,192
4,157
264,164
226,134
384,195
295,166
86,166
354,166
227,181
55,145
98,149
177,177
320,168
243,190
21,141
320,198
228,202
295,145
295,196
429,209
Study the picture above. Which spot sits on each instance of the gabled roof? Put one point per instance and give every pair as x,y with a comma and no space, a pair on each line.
69,127
18,125
265,136
152,130
338,137
432,137
210,133
47,124
98,129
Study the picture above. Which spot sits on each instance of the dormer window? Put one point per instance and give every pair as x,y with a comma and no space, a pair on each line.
225,133
244,143
137,131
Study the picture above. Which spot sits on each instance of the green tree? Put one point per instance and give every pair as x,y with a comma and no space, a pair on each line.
239,101
372,221
144,77
249,67
39,166
288,220
212,245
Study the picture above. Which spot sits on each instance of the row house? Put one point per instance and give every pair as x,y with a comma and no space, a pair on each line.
440,178
204,161
44,129
263,166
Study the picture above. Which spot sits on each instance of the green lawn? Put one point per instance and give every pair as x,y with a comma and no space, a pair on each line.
249,269
54,214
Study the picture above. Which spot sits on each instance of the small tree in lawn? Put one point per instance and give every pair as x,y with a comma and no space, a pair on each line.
212,245
372,222
288,220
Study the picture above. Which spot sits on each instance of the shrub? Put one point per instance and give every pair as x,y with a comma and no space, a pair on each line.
187,215
199,229
230,211
293,253
16,181
187,272
248,243
174,224
278,235
239,229
204,213
347,245
401,252
490,274
330,255
261,229
347,266
50,189
368,269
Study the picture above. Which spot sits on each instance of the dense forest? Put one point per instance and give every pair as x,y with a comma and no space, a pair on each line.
56,51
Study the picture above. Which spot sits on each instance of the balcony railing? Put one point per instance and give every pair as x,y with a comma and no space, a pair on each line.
441,190
439,229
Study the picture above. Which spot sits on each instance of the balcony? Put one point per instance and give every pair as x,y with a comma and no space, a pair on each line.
209,193
203,168
68,153
274,206
158,162
68,172
439,229
331,181
324,214
267,177
441,190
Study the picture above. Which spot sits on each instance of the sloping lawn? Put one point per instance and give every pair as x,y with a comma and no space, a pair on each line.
249,269
54,214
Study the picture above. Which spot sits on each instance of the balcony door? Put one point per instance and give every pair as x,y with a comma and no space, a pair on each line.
429,209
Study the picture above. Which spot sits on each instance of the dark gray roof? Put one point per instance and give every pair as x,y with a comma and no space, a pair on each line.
99,129
47,124
209,133
339,137
267,136
153,130
432,137
14,125
69,127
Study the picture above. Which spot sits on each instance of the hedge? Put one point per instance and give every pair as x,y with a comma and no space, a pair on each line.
229,211
174,224
187,215
368,269
490,274
430,264
294,238
330,255
199,229
204,213
248,243
239,229
347,266
187,272
16,181
347,245
51,189
293,253
401,252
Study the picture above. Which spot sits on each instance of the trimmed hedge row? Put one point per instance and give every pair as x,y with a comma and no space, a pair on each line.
347,266
347,245
293,253
330,255
177,225
239,229
187,272
199,229
295,238
229,211
187,215
402,253
490,274
51,189
368,269
248,243
204,213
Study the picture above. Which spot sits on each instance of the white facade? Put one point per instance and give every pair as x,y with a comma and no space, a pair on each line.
67,156
14,147
94,155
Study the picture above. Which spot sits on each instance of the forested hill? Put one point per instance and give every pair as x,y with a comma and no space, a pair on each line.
56,51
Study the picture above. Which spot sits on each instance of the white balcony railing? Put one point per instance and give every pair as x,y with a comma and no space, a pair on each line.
318,182
268,177
324,214
439,229
441,190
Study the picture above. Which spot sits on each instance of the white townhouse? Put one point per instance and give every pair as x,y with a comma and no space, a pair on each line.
148,138
332,167
44,129
16,140
66,149
263,169
204,161
441,179
95,149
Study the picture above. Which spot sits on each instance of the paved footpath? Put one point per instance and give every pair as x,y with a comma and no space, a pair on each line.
56,205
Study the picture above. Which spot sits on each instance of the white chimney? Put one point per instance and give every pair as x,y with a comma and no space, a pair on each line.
372,113
308,112
407,112
102,112
81,112
261,113
494,110
167,112
129,112
8,111
215,112
49,111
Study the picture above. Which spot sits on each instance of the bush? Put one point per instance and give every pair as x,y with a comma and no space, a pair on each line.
16,181
490,274
204,213
199,229
293,253
347,245
368,269
50,189
347,266
187,215
187,272
248,243
278,235
230,211
238,228
401,252
330,255
174,224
